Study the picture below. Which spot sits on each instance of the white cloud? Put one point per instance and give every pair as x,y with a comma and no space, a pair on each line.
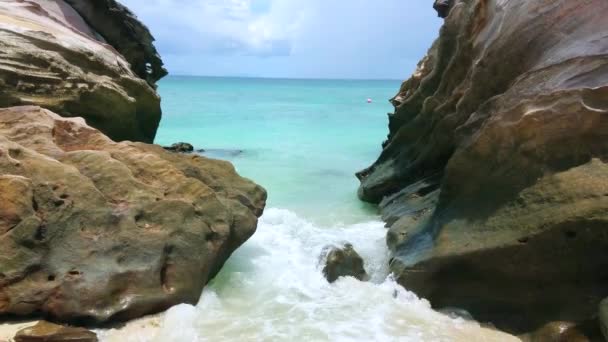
290,38
218,26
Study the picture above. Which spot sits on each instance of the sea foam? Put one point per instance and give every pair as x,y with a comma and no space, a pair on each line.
272,289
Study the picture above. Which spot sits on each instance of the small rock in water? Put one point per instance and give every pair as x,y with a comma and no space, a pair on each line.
181,147
49,332
457,313
561,332
343,262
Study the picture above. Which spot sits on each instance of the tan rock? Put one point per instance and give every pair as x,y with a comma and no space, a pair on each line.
49,332
97,230
52,58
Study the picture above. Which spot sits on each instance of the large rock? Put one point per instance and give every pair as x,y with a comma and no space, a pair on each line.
52,57
499,139
94,230
49,332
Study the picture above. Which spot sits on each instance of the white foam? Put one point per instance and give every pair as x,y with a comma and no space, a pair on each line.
272,289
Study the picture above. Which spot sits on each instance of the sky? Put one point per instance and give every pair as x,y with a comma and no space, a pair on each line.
341,39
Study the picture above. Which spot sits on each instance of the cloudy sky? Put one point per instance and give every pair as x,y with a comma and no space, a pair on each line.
372,39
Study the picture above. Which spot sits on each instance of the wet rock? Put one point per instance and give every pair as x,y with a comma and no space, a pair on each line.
457,313
564,332
603,317
181,147
58,59
49,332
93,230
343,262
509,111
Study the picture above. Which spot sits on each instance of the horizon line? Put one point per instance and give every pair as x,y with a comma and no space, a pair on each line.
288,78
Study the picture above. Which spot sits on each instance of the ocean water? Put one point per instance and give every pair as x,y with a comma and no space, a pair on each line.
303,140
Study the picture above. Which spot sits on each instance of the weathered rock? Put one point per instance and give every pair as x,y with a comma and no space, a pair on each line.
603,317
510,109
95,230
343,262
51,57
49,332
121,29
181,147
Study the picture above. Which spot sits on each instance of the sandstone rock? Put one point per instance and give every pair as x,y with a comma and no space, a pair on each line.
52,57
181,147
95,230
49,332
121,29
509,108
343,262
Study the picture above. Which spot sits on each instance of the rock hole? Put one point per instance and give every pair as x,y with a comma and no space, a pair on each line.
74,273
164,278
51,277
40,233
210,236
570,234
523,240
64,196
14,152
138,217
58,202
34,204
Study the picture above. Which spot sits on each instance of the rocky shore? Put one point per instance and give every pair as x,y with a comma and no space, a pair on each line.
95,228
493,180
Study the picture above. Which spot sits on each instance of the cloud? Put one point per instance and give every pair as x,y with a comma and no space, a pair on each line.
290,38
221,27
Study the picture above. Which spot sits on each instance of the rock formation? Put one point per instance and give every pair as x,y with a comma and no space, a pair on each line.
100,65
181,147
343,262
494,177
49,332
92,230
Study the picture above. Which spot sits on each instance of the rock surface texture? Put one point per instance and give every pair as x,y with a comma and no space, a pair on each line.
100,65
494,177
343,262
92,230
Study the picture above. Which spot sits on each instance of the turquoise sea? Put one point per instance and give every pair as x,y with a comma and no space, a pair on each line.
303,140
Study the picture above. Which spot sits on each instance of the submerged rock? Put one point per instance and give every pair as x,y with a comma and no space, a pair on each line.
343,262
181,147
93,230
93,66
504,121
48,332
